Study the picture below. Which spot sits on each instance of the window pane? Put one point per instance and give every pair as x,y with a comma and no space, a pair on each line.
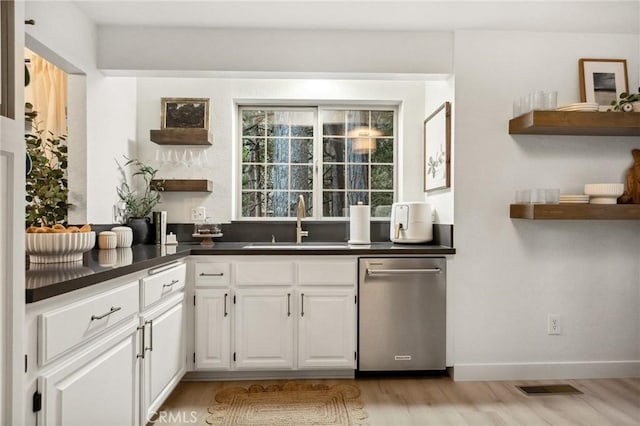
253,123
333,123
302,178
382,121
333,151
333,176
301,150
278,123
383,152
278,177
252,150
278,150
357,120
278,204
252,177
302,123
358,149
308,203
382,177
253,204
333,204
354,197
381,204
357,177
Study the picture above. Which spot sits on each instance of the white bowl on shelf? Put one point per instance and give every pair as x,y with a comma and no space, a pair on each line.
58,247
603,193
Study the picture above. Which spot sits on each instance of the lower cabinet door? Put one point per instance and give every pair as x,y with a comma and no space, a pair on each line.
164,360
99,387
264,328
326,328
213,325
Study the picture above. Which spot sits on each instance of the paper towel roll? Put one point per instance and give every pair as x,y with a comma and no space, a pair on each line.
359,217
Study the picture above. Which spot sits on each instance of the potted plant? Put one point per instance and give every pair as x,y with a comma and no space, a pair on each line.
137,204
629,102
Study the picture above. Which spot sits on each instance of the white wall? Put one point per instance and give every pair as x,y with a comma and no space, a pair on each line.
226,93
64,36
508,274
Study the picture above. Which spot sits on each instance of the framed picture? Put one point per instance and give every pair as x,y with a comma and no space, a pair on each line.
437,149
602,80
185,113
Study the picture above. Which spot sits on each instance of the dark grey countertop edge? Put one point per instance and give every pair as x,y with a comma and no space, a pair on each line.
387,249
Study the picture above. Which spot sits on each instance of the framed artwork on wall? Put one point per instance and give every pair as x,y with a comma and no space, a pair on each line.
192,113
437,149
602,80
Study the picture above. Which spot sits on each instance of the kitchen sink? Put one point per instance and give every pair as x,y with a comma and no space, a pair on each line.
289,246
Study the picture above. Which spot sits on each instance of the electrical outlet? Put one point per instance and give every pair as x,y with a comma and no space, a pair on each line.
553,324
198,213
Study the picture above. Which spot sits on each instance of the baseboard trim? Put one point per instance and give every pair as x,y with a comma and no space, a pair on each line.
267,375
547,370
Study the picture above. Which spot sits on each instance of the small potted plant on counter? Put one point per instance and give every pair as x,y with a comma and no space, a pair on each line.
629,102
138,202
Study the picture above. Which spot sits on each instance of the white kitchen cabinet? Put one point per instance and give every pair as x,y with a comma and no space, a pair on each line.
98,386
326,328
213,329
263,328
164,360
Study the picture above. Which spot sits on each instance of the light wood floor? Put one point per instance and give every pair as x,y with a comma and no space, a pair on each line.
441,401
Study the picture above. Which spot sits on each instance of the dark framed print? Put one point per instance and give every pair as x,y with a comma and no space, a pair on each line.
437,149
602,80
192,113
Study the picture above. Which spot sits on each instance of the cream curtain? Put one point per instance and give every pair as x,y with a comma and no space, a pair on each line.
47,92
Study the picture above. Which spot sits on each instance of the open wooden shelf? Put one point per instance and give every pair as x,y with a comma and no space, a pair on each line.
183,185
575,211
576,123
180,136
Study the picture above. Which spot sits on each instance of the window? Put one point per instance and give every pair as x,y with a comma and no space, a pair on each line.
332,157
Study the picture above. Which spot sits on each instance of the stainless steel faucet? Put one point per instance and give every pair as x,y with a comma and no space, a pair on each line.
300,214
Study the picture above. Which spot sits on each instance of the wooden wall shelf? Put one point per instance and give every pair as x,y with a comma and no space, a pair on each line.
184,185
575,211
180,136
576,123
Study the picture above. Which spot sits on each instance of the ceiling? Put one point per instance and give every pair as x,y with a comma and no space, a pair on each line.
613,16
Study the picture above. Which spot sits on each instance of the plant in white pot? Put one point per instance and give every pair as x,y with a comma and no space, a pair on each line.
138,201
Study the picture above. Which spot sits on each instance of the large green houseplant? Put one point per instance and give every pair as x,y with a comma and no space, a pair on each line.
138,201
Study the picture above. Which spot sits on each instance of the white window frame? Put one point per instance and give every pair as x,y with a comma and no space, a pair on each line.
318,161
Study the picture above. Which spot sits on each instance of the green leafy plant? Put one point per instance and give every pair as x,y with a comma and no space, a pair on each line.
138,203
47,188
625,103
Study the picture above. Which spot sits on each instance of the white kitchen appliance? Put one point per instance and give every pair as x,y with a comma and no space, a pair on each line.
411,222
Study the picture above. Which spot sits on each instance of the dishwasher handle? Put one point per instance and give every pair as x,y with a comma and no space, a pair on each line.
403,271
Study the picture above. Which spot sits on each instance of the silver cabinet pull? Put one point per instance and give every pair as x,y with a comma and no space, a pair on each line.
150,348
171,283
288,304
302,305
142,339
225,304
218,274
112,310
403,271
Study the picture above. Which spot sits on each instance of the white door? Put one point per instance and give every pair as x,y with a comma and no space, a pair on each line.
326,328
165,354
264,328
213,326
99,388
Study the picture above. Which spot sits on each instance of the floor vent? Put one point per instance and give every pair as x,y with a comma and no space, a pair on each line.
549,390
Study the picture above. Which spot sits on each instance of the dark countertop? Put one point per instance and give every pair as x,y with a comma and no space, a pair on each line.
51,279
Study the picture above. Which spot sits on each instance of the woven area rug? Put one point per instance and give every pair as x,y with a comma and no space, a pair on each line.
292,403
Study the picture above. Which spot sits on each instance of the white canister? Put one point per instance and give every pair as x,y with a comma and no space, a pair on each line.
107,240
359,224
124,236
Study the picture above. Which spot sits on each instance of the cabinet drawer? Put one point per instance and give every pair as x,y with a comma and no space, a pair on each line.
66,327
212,274
157,286
327,272
264,272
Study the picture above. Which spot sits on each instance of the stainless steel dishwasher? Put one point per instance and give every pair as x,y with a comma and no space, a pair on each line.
402,314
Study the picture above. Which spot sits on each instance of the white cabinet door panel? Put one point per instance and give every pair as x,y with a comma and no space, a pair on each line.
212,334
331,271
264,329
